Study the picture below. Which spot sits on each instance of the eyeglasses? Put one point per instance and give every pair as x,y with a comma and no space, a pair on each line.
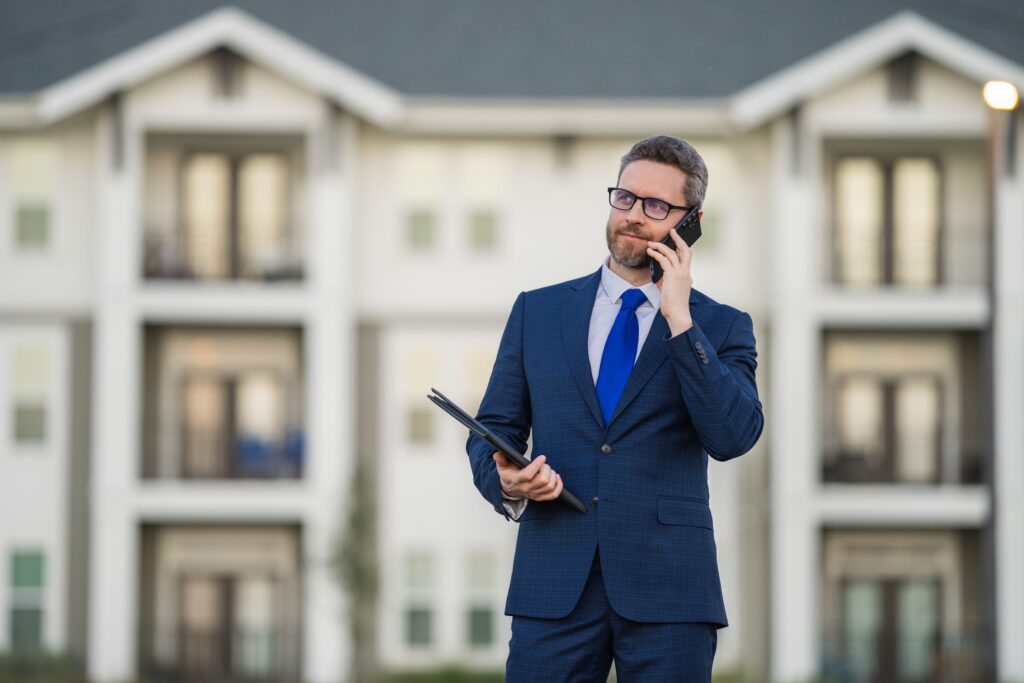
658,209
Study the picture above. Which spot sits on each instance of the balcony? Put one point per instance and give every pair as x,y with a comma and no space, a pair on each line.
223,208
219,453
904,606
881,654
170,255
223,403
229,655
893,225
220,604
903,408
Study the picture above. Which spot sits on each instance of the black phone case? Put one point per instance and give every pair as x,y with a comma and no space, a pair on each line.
688,228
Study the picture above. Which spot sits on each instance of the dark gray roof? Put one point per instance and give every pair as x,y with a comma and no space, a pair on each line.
505,48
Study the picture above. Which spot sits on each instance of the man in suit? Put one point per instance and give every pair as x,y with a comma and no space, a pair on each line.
628,386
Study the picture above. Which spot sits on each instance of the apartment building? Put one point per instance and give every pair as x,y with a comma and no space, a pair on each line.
238,246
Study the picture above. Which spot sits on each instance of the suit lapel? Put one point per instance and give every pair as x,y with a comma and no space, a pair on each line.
576,311
652,356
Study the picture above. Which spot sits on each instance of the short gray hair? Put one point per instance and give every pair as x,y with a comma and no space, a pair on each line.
671,151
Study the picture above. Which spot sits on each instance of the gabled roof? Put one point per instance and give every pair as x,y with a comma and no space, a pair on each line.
370,55
230,28
902,33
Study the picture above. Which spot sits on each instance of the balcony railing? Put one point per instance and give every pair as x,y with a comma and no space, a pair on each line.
888,657
166,258
851,467
215,454
181,654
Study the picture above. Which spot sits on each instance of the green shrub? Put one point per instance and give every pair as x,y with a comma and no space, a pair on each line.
39,667
446,674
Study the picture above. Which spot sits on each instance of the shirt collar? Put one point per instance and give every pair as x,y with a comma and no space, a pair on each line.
614,286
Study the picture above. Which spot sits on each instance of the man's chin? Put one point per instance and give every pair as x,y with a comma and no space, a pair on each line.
630,260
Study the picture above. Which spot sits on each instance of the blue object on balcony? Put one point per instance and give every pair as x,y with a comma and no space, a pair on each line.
294,451
254,457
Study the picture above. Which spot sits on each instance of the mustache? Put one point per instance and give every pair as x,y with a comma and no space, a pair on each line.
632,233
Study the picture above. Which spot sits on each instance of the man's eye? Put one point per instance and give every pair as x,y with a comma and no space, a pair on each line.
623,197
657,206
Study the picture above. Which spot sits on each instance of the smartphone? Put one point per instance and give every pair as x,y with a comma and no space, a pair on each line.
688,228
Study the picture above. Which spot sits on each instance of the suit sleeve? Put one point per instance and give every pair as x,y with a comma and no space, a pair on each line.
719,388
505,409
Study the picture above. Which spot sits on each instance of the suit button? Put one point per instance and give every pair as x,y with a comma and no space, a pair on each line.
698,346
593,501
606,449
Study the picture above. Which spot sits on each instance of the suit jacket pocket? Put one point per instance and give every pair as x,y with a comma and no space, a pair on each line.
684,512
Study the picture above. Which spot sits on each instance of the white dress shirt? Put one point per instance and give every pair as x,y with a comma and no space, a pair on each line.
606,307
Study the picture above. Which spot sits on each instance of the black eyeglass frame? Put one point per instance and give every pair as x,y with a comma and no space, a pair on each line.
643,203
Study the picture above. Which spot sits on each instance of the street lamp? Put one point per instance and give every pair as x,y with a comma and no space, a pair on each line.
1003,96
1000,95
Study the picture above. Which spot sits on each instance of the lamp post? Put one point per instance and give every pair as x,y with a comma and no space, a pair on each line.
1003,96
1006,374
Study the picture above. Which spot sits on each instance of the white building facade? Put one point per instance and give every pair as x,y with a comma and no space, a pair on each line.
207,239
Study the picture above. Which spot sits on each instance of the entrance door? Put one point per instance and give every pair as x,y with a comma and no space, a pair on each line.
891,629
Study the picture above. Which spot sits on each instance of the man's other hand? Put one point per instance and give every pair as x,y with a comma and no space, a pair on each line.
536,481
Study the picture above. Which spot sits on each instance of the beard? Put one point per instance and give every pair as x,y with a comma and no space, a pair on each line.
626,252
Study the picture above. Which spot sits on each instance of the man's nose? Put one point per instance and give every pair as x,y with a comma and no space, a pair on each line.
636,212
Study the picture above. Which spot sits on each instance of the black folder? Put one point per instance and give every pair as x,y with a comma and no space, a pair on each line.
445,404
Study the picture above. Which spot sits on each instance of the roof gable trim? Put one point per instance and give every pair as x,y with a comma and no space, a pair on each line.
231,27
862,51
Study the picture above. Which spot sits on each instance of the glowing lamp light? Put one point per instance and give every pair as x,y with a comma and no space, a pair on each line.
1000,95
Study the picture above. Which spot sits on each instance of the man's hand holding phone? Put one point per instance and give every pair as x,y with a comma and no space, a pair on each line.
536,481
676,283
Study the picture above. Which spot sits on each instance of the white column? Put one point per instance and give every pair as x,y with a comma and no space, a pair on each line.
113,572
1008,397
793,413
330,408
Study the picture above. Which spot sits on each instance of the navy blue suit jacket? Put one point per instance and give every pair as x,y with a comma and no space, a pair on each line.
643,476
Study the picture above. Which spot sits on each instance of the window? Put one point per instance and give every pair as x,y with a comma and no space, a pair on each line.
419,571
483,230
235,215
421,229
420,428
33,176
480,584
31,379
886,429
419,367
480,570
422,182
27,570
27,583
226,626
480,627
887,221
891,626
419,583
32,226
418,626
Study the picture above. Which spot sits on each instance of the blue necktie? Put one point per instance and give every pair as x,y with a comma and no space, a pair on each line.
619,353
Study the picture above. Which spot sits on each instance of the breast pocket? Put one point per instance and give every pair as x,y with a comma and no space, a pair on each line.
684,512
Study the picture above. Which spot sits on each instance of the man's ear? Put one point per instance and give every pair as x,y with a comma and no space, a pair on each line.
700,214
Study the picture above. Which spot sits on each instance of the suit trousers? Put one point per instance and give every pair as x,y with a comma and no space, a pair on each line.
580,647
